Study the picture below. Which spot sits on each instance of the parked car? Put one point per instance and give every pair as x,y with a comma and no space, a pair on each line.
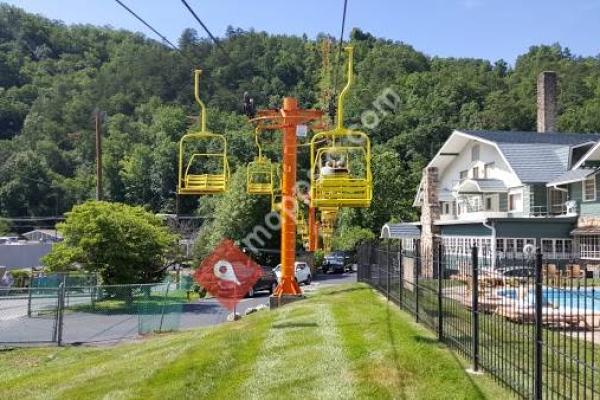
338,261
303,274
267,282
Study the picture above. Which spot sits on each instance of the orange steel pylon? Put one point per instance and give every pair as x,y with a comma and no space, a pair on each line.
288,119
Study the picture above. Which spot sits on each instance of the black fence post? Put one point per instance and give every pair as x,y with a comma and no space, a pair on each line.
387,263
60,314
401,272
537,394
475,308
416,269
440,276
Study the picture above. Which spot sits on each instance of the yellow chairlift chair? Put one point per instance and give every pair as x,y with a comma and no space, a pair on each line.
260,174
340,159
203,166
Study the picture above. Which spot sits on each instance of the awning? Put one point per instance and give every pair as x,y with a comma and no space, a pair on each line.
586,230
400,231
481,186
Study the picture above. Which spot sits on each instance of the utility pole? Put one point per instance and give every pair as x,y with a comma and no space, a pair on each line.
98,124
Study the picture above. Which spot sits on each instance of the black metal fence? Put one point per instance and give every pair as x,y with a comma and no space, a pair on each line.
531,323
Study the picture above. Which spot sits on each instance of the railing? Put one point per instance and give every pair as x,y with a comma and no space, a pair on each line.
534,332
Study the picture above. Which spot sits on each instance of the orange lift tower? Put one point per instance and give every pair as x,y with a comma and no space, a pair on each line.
289,119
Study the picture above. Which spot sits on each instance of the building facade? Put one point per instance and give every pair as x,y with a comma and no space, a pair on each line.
504,191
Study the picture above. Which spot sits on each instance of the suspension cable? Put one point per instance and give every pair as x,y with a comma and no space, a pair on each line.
147,25
339,54
203,25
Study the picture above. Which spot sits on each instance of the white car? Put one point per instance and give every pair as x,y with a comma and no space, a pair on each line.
303,274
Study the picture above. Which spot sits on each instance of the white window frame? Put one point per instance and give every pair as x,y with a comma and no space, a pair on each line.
513,244
584,191
554,252
487,168
475,152
461,245
589,246
519,203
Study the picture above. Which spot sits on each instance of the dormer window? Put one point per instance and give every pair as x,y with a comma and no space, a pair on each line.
476,173
589,189
475,153
487,170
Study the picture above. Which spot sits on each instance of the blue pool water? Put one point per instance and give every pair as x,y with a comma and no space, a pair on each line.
588,298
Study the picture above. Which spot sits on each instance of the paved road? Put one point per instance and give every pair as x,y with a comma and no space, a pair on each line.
208,312
87,327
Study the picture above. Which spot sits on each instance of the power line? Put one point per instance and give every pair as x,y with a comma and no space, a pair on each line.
213,38
147,25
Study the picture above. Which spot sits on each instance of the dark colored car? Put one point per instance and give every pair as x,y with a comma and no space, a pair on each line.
267,282
336,262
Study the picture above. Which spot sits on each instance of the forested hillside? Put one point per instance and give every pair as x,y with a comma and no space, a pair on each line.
53,77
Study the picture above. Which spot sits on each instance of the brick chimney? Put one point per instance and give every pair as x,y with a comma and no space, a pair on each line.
546,101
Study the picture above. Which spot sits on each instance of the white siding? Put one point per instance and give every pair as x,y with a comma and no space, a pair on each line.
487,154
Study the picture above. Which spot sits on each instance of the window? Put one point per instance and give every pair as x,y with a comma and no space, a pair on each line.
547,247
446,208
475,153
462,245
589,246
514,202
488,204
589,189
500,245
487,170
557,248
463,175
475,172
513,246
558,198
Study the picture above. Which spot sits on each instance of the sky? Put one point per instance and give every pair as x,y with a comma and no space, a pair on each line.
489,29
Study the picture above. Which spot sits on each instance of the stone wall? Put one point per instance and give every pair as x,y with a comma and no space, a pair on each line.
430,212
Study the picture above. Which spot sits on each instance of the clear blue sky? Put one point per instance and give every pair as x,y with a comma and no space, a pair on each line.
489,29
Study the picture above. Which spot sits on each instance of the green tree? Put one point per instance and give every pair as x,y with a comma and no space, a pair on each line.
124,244
347,238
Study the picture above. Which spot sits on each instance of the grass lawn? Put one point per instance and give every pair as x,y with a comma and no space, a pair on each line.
341,343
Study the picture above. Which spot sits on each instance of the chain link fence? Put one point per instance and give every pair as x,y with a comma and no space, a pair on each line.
86,314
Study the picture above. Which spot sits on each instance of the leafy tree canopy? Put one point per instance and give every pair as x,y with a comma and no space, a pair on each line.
124,244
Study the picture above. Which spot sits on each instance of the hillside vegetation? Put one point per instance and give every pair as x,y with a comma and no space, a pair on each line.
53,77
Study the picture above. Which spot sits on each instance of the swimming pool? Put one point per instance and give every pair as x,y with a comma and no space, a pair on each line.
583,299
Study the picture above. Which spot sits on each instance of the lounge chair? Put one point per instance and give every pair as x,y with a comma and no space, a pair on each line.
574,271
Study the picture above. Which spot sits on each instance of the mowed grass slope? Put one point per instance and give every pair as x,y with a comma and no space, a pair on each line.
341,343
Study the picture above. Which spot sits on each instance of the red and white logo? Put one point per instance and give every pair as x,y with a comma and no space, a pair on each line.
228,274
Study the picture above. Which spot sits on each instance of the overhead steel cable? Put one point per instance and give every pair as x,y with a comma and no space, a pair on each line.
339,55
147,25
208,32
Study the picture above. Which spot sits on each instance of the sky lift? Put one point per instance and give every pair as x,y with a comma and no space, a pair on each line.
203,165
302,228
340,159
260,174
328,218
